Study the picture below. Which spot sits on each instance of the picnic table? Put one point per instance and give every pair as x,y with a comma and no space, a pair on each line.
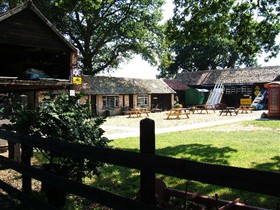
177,113
244,109
200,108
228,110
137,112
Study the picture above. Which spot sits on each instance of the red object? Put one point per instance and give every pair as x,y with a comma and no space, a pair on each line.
266,85
274,100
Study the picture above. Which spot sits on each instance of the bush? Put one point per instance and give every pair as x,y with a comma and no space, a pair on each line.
62,118
177,106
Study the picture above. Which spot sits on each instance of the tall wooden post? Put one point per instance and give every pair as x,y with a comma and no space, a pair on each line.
147,147
26,153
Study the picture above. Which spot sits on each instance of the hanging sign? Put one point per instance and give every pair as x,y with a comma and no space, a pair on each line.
77,72
74,58
245,101
77,76
77,80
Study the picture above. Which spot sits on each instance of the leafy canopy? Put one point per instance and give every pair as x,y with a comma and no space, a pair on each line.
212,34
106,32
62,118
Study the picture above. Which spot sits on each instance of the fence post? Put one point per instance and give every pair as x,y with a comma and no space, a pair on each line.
26,154
147,147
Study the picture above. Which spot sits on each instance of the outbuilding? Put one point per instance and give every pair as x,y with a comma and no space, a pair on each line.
240,85
114,95
35,56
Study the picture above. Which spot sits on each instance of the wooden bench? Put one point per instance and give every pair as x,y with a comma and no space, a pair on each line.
229,110
200,108
244,109
138,112
177,113
132,112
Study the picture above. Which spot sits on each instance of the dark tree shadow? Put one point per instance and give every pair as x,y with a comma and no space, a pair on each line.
199,152
274,165
125,181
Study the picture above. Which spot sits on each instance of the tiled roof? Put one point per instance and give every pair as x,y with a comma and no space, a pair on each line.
114,85
176,84
230,76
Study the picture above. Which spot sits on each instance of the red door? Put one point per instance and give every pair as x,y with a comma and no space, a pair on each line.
274,100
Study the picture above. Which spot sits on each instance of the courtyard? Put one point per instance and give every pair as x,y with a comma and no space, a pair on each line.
123,126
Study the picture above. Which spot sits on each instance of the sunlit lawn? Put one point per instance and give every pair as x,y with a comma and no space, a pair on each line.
257,149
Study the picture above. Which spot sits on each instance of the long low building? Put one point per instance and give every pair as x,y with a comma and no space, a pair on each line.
238,83
114,94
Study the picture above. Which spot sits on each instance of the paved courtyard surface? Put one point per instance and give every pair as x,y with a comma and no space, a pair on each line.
122,126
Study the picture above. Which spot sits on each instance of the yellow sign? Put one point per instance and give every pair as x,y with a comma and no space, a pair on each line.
77,80
245,101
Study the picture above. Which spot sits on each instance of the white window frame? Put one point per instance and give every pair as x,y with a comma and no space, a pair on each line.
142,100
110,102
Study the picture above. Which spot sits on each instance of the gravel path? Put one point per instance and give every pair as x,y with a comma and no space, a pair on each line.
121,126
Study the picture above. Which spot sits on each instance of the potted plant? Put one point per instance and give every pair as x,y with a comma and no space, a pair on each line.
178,106
62,118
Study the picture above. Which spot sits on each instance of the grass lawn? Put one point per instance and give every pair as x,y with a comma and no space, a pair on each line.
256,148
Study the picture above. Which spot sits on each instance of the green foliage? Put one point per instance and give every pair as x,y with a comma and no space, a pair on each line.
178,105
62,118
211,34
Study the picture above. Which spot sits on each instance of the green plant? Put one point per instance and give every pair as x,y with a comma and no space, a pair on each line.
62,118
177,106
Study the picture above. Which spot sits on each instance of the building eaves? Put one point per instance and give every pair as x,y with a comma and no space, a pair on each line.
101,85
230,76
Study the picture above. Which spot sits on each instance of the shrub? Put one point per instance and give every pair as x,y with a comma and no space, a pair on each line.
62,118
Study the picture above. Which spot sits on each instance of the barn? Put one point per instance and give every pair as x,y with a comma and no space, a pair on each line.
117,94
239,84
35,56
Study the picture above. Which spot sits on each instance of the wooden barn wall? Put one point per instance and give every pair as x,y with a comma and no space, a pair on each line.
163,101
27,29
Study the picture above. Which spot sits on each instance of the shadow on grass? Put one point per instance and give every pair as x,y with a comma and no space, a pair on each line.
118,180
274,165
125,182
198,152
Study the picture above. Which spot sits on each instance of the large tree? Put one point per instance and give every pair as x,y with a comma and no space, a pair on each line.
212,34
106,32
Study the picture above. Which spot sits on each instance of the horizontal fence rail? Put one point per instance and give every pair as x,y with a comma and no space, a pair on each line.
146,161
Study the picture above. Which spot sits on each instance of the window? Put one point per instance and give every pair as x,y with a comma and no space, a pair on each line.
110,101
228,90
232,89
249,90
244,90
142,100
238,90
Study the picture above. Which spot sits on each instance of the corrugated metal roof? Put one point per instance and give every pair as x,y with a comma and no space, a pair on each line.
230,76
115,85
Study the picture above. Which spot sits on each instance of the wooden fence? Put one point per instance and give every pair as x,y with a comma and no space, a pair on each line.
146,162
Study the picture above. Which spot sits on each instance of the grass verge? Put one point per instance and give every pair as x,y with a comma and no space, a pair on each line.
254,148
